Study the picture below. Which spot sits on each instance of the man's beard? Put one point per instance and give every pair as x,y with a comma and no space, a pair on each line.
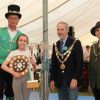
61,37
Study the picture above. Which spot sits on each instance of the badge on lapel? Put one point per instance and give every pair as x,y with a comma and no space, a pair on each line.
65,48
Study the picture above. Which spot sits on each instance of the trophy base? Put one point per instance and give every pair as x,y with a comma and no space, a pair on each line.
33,84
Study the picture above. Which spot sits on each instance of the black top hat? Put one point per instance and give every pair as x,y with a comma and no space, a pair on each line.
95,27
13,10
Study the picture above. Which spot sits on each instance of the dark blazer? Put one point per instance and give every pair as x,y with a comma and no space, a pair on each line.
94,67
73,65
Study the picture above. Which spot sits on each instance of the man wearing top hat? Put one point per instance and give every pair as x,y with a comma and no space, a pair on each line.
94,63
8,37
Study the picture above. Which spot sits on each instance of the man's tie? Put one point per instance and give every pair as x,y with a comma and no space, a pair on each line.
61,46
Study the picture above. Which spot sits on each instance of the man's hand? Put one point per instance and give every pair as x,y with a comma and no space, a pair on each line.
73,84
52,86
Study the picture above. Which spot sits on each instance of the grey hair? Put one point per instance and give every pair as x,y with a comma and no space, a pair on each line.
65,23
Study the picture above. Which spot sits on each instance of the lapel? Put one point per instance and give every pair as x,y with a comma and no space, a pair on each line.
58,45
7,34
68,43
96,48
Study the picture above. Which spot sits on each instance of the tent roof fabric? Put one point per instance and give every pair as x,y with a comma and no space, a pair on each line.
82,14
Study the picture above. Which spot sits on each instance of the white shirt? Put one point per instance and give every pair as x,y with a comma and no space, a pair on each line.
64,41
18,52
12,33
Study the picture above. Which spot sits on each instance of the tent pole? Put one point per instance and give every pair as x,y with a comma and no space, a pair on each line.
45,50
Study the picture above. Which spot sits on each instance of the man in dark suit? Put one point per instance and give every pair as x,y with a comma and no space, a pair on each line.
67,62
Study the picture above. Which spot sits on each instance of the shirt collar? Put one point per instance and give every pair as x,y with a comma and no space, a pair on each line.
11,30
65,39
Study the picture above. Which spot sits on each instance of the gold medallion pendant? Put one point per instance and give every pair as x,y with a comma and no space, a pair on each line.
62,66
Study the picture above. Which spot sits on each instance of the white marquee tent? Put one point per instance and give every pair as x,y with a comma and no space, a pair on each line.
82,14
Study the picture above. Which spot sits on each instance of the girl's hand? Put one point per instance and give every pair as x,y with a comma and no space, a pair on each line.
16,74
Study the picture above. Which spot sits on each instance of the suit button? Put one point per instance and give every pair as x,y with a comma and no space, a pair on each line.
62,71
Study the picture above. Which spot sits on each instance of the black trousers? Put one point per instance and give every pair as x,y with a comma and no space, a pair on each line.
96,93
5,84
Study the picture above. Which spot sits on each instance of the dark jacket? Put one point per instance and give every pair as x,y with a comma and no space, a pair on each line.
94,66
73,65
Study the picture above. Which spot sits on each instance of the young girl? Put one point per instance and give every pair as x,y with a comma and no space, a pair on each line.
21,92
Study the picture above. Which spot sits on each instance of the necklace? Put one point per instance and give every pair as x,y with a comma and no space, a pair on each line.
66,54
96,54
